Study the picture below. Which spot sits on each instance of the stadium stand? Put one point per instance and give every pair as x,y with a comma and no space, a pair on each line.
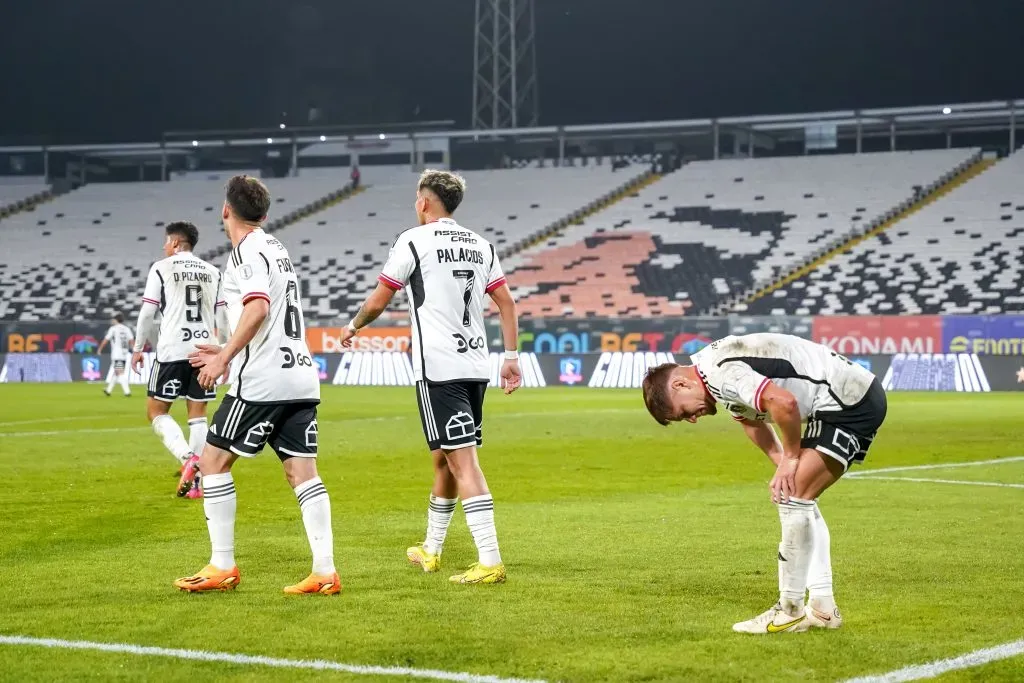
19,193
962,254
716,229
87,252
342,249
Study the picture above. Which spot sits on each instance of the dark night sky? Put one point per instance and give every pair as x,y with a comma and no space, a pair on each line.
121,70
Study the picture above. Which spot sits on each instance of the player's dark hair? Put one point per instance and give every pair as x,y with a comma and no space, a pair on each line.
449,187
248,198
656,392
185,231
119,317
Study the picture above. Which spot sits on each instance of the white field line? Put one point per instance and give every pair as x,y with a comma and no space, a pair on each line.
48,420
253,660
934,466
945,481
937,668
110,430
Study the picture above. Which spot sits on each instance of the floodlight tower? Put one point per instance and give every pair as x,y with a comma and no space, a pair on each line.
504,65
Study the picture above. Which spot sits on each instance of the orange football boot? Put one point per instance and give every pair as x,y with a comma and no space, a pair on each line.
210,578
316,583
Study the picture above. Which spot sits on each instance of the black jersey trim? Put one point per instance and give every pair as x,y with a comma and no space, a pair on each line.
492,263
418,296
264,257
163,297
780,368
241,371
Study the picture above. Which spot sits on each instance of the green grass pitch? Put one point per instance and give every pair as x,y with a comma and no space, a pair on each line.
631,548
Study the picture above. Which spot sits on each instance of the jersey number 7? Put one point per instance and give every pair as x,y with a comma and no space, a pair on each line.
467,295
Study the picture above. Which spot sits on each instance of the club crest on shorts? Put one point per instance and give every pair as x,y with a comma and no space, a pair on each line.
312,435
172,387
258,434
460,426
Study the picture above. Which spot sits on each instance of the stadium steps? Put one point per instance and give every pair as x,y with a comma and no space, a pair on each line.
29,203
971,169
628,189
295,216
135,286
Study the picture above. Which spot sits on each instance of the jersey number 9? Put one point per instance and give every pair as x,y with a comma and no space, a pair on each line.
193,303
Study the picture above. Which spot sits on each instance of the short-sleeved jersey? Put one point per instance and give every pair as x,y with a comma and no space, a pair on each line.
736,371
275,367
119,337
446,270
186,290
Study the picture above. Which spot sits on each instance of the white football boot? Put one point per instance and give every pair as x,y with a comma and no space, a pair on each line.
774,621
820,617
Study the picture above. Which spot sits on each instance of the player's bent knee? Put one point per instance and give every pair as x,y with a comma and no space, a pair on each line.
155,408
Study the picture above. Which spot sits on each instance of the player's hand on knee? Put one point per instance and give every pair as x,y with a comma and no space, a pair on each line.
783,484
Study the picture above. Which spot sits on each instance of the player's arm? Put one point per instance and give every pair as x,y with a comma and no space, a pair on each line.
392,278
214,360
373,307
783,408
764,437
501,295
220,314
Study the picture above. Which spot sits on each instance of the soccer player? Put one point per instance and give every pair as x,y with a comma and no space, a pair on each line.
184,288
120,339
784,380
275,389
448,269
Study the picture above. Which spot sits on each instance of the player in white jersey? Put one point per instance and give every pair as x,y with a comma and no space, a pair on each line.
446,270
784,380
275,389
183,289
120,339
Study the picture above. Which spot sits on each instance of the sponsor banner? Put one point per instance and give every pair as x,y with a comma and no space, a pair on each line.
35,367
674,335
387,339
936,372
995,335
879,335
53,337
395,369
625,370
797,325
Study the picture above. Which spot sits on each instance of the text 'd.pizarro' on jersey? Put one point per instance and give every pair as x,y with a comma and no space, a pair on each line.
276,366
447,271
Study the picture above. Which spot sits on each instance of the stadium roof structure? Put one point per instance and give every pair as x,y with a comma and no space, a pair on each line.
750,135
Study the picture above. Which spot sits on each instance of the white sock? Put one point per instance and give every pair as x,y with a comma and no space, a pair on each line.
220,504
197,430
819,578
124,383
316,516
110,380
480,518
797,517
439,516
168,430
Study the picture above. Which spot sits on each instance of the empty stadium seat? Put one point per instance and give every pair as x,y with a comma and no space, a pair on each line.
962,254
715,229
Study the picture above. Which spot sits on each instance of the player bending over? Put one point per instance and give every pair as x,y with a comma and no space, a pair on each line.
785,380
184,289
447,269
273,396
120,339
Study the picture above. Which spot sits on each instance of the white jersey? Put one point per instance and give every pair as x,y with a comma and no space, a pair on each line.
275,367
448,269
186,289
120,337
736,371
